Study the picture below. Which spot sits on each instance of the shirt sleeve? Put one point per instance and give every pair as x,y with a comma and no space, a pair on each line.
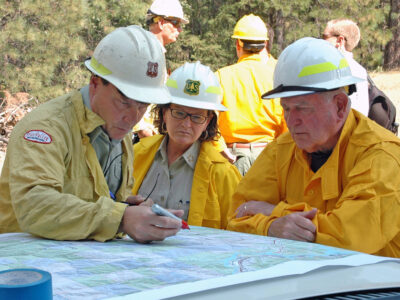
226,181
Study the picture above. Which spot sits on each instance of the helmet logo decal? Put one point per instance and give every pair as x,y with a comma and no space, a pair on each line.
192,87
152,69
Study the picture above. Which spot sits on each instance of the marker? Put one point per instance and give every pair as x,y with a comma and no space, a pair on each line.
158,210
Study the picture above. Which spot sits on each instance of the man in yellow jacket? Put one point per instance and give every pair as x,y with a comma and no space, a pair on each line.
333,178
250,123
69,162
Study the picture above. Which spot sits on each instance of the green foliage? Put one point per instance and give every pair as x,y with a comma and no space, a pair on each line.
43,43
39,43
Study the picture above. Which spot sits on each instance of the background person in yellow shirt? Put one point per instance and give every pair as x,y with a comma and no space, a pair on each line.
181,168
333,178
250,123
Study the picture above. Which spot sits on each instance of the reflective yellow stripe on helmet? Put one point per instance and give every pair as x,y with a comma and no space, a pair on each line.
322,68
172,83
214,90
99,68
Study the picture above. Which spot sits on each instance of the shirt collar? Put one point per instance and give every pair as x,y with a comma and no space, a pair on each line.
347,54
85,96
190,156
162,47
251,56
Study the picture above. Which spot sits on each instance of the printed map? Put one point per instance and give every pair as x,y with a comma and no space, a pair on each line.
94,270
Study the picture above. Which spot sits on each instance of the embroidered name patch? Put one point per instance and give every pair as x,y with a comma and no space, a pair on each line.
38,136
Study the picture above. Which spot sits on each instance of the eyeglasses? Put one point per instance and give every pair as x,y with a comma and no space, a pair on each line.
181,115
176,23
328,36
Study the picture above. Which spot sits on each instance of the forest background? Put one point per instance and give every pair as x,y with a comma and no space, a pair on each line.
43,44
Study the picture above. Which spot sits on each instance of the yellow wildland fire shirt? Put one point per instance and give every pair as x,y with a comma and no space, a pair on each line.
52,184
249,118
356,191
214,182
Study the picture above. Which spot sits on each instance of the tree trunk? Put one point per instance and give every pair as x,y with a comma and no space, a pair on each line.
279,30
392,49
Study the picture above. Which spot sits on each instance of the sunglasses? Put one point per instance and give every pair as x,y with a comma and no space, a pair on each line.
176,23
327,36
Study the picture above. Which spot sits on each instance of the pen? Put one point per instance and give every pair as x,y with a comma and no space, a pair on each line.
158,210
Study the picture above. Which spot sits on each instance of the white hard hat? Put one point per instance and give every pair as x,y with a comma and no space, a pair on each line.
167,8
195,85
308,66
132,60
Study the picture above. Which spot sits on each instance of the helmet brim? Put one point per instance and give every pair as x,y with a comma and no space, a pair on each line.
333,84
198,104
145,94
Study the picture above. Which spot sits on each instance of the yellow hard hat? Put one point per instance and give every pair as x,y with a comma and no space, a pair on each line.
250,27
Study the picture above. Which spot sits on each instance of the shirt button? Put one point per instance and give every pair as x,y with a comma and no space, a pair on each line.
311,192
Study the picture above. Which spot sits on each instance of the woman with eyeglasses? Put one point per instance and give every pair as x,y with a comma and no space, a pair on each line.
180,168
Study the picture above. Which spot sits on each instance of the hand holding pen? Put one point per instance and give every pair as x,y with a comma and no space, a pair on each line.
158,210
144,226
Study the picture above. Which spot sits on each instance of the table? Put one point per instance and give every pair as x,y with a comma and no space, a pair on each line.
196,264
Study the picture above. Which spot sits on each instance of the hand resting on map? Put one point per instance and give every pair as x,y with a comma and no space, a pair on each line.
253,207
295,226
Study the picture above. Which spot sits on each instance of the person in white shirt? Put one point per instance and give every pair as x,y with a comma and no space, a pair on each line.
345,35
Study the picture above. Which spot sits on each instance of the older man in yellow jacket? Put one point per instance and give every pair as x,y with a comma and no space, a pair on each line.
250,123
333,179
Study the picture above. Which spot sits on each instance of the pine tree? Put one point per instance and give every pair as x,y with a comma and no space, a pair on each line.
392,49
43,43
40,46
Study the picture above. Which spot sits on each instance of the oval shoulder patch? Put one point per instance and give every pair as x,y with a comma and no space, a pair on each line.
38,136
